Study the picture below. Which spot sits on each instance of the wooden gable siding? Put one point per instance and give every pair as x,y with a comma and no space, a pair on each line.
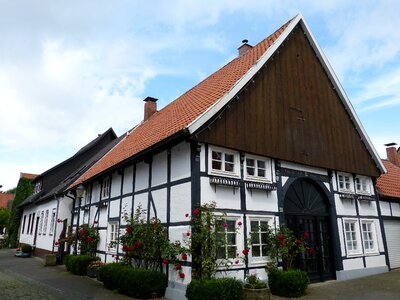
291,111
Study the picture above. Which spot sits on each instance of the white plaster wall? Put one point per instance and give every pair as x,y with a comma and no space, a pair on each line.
334,182
261,200
223,196
341,237
141,200
116,184
126,208
102,246
26,237
142,176
238,274
345,207
353,263
385,208
203,158
160,202
375,261
114,208
367,208
395,209
159,169
180,161
178,233
299,167
180,202
96,192
103,217
379,235
284,179
327,185
128,179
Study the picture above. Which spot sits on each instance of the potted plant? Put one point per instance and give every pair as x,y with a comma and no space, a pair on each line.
255,289
24,251
93,268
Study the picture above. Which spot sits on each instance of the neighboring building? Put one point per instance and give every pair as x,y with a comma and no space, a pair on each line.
270,137
6,199
50,203
388,186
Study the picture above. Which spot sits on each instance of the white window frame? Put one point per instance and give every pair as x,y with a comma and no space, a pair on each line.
46,219
41,222
256,177
356,237
258,260
113,231
363,185
38,187
106,187
372,238
350,188
52,221
222,172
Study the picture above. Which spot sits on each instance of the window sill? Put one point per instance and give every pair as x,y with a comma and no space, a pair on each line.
258,179
224,174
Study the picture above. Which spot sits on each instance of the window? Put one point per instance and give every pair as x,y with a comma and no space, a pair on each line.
226,232
368,235
46,219
53,221
105,193
113,235
352,237
362,185
23,224
38,187
258,168
41,222
33,222
224,162
258,235
345,184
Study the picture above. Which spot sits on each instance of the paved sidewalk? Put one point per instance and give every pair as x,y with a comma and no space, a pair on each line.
27,278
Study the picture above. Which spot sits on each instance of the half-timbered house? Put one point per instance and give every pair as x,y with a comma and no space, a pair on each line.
271,137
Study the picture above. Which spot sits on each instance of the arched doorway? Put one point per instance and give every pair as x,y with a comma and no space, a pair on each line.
306,209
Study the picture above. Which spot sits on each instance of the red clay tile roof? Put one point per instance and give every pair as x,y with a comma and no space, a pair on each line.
4,198
184,110
28,176
389,184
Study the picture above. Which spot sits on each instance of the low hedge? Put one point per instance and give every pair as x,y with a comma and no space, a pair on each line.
215,289
26,248
77,264
133,282
290,283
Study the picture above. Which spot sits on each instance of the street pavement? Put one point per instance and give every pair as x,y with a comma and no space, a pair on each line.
27,278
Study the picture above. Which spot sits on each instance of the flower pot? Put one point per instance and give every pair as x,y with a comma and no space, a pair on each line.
256,294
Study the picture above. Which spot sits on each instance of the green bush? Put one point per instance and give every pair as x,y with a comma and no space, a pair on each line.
77,264
290,283
215,289
133,282
26,248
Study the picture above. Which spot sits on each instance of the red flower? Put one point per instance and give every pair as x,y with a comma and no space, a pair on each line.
280,237
225,224
239,223
82,232
165,261
129,229
184,256
138,244
125,248
282,243
130,249
89,239
298,242
188,233
181,275
178,267
196,212
306,234
236,261
245,251
311,250
186,215
113,255
56,243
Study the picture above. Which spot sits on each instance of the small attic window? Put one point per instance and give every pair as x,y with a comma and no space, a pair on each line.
38,187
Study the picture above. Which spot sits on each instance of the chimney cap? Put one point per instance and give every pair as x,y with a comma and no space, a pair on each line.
245,41
390,144
151,99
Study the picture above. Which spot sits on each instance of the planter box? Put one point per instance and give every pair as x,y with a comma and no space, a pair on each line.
49,260
256,294
22,254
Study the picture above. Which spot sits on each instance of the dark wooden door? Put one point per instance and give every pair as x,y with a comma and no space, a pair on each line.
306,210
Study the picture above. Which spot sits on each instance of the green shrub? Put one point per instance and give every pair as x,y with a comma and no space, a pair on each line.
290,283
215,289
133,282
26,248
77,264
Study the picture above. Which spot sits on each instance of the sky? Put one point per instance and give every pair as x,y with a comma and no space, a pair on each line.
70,70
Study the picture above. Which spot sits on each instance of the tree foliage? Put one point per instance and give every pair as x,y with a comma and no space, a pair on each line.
23,190
4,217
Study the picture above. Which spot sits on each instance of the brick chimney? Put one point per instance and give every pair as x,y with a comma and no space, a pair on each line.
150,107
244,48
392,154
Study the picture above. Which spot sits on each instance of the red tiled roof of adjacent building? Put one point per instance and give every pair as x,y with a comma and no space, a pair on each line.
180,113
28,176
5,198
388,184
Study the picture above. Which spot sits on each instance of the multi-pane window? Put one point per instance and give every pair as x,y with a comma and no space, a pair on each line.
38,187
345,182
33,222
46,219
258,238
113,235
257,168
23,224
225,162
368,234
352,243
29,224
362,185
226,233
106,188
53,221
41,222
